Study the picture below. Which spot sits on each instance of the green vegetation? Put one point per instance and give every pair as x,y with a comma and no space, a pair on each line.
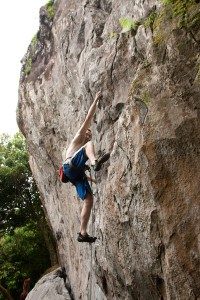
33,42
26,242
175,14
146,98
23,254
167,1
26,95
32,48
113,34
184,12
181,9
51,9
150,20
28,66
128,24
31,57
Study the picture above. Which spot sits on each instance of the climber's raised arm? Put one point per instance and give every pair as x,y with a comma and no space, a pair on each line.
83,135
90,114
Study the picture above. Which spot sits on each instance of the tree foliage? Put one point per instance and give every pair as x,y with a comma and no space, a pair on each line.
18,192
22,254
26,243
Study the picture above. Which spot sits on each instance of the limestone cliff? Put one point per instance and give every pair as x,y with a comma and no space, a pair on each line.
146,213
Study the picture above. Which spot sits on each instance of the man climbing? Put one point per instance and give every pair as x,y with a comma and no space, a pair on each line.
79,151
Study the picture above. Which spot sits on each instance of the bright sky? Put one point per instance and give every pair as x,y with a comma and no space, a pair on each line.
19,22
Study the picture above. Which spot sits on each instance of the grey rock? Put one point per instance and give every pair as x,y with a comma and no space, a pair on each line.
146,212
50,287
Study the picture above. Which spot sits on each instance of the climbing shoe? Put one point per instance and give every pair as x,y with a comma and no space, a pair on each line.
100,161
85,238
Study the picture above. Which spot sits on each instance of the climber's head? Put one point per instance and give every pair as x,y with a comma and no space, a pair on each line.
88,135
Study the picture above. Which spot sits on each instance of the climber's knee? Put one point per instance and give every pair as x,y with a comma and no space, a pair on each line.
88,201
89,144
89,148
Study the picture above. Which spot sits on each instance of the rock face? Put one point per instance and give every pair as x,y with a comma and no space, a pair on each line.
146,214
50,287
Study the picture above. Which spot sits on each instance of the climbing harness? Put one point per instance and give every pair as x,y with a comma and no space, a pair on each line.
64,178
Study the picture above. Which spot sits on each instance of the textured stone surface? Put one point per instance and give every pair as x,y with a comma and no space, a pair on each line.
146,213
50,287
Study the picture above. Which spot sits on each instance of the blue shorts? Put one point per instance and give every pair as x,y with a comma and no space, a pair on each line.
77,177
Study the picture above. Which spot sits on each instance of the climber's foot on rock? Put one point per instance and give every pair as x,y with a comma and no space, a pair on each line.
99,162
86,238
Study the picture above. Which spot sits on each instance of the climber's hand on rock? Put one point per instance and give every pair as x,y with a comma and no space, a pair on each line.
98,97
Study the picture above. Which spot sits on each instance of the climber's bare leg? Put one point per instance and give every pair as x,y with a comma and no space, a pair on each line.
90,152
85,213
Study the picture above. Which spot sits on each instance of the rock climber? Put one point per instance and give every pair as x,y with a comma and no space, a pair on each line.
79,151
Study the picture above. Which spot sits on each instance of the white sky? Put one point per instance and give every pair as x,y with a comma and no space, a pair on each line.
19,22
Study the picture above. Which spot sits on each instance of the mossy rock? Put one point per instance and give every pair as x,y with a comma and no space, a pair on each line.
175,14
197,78
51,9
137,86
146,98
